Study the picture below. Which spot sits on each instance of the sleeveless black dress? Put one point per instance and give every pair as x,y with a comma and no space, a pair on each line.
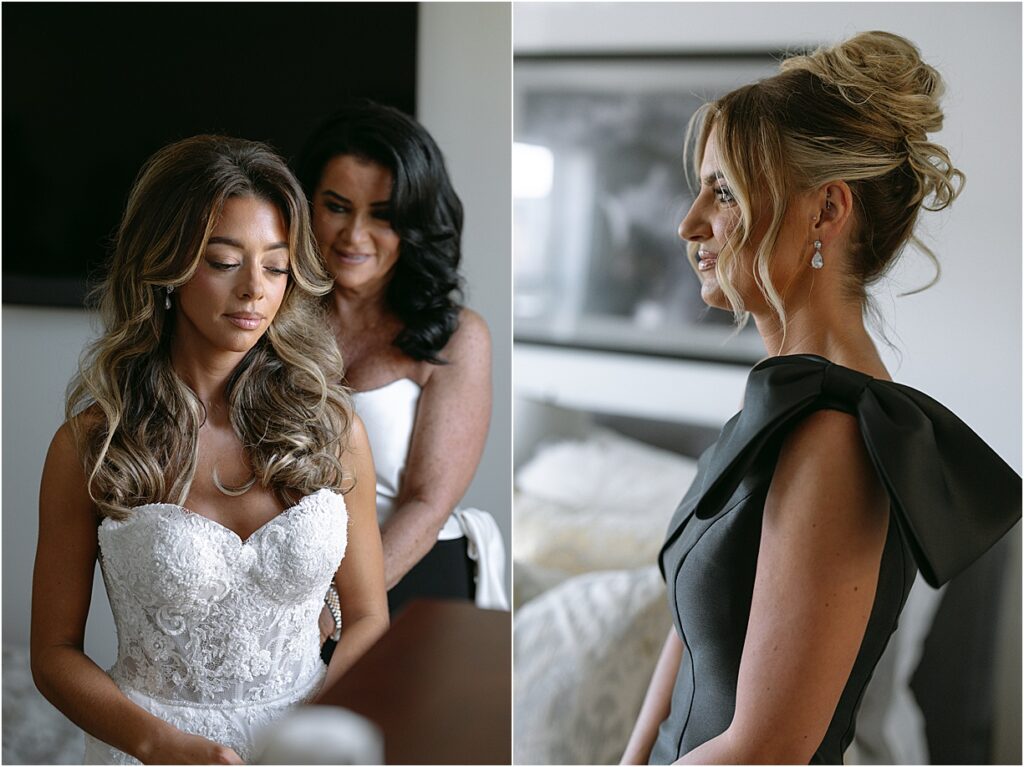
951,498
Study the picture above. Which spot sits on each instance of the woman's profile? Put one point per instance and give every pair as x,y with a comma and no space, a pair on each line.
790,558
213,466
389,223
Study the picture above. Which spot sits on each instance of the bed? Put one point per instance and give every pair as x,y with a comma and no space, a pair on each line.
591,507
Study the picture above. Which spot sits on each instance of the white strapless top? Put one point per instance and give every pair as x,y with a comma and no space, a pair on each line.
389,414
217,635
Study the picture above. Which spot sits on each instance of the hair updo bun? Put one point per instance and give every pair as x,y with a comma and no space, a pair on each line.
884,75
860,112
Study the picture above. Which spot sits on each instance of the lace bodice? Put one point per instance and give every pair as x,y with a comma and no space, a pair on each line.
207,620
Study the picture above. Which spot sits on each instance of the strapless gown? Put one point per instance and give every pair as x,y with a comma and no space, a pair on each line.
217,635
389,415
951,498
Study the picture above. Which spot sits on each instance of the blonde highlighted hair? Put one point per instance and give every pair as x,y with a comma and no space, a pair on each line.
135,421
858,112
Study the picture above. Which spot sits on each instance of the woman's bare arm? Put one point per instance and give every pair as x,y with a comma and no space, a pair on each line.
657,702
61,592
824,529
360,578
447,442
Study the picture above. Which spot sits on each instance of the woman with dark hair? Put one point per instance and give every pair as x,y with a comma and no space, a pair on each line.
389,226
790,558
213,465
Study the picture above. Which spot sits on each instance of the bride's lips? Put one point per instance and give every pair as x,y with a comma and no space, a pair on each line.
706,260
351,257
245,320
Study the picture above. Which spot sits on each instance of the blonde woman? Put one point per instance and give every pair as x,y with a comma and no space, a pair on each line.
213,466
790,558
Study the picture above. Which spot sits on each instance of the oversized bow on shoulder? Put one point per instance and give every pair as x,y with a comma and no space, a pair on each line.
950,493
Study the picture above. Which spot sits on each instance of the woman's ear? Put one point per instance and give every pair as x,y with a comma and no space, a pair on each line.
834,206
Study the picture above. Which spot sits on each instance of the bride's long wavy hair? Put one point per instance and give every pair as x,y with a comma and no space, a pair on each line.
135,421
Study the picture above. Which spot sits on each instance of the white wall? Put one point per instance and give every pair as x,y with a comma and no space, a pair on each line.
464,95
40,354
960,340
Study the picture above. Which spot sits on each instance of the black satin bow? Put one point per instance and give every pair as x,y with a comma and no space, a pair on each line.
951,494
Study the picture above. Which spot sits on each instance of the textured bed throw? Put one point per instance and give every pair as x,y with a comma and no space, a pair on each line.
34,732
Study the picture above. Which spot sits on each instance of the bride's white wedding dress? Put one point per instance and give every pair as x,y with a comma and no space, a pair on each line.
217,635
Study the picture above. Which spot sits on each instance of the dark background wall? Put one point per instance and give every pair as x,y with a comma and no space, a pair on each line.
91,90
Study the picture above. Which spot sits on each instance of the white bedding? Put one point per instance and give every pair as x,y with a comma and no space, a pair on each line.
590,516
602,503
584,653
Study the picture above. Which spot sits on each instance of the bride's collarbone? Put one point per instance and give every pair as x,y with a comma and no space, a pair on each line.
243,514
221,452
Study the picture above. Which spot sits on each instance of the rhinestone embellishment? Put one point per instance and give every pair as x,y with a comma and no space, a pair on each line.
816,260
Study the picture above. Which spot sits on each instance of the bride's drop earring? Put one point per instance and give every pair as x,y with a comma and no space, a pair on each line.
167,298
816,260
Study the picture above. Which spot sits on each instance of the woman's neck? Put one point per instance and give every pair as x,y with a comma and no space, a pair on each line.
207,376
355,310
835,332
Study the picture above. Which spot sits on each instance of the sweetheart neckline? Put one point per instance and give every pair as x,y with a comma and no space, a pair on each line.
242,541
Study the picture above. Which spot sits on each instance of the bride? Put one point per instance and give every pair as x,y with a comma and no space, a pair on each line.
213,468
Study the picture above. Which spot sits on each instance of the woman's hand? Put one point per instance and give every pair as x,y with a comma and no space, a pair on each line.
326,625
177,747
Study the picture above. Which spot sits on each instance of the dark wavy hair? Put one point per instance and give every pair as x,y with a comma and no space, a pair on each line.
426,289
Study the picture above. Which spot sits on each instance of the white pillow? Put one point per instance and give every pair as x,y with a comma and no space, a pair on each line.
584,653
605,466
602,503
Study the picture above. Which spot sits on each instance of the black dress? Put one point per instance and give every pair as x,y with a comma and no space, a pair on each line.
951,498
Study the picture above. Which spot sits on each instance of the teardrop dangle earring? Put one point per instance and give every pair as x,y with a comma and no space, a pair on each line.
816,260
167,298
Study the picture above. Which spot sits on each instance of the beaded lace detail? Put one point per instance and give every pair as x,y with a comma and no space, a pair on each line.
214,629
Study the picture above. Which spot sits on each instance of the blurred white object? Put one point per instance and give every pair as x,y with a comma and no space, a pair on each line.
533,171
321,735
598,503
487,550
584,653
